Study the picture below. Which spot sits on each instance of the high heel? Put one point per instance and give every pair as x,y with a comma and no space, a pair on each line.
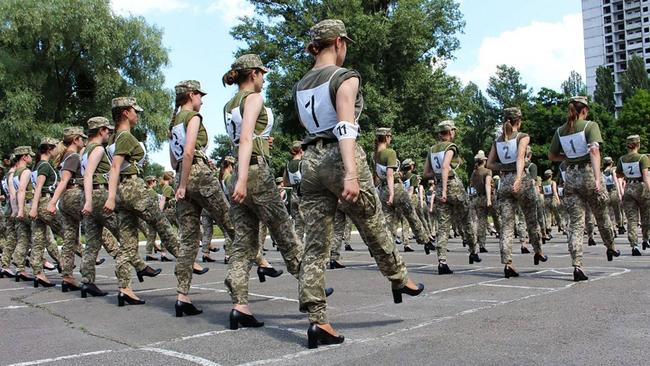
186,308
24,277
38,281
591,242
645,245
510,272
525,250
334,264
578,275
207,258
328,291
316,335
262,272
100,261
226,259
92,289
148,272
539,258
8,274
397,293
65,287
124,298
474,258
238,318
611,253
150,258
429,247
214,249
201,271
163,258
443,269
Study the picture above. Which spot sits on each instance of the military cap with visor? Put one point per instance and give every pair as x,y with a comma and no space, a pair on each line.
633,139
74,131
579,99
249,61
480,156
445,126
329,29
512,113
124,102
48,141
23,150
99,122
188,86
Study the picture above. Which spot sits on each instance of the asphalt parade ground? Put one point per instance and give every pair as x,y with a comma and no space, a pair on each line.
473,317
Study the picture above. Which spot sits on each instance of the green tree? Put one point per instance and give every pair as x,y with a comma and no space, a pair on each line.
635,77
634,119
153,168
604,93
507,89
395,45
62,61
574,85
222,147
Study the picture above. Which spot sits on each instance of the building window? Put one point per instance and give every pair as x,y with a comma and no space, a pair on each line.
645,8
646,30
610,59
620,27
608,39
605,2
645,20
608,29
608,19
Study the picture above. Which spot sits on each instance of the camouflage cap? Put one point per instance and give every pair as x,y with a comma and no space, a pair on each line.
249,61
548,172
48,141
187,86
296,145
230,159
121,102
608,160
99,122
633,139
407,162
329,29
512,113
23,150
279,180
579,99
74,131
444,126
480,156
383,131
150,178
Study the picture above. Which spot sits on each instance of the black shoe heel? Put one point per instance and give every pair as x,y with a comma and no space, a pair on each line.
201,271
444,269
612,253
397,293
38,281
65,287
208,259
334,264
539,258
429,247
578,275
525,250
186,308
247,321
474,258
148,272
316,335
92,289
510,272
262,272
123,298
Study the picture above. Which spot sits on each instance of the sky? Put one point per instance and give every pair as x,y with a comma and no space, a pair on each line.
541,38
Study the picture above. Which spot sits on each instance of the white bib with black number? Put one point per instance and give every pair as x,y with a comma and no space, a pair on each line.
234,120
436,160
294,177
407,184
548,190
381,171
177,141
632,170
560,191
575,145
315,108
507,151
472,191
609,180
16,181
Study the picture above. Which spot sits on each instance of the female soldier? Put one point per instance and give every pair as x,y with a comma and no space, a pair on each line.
44,179
451,199
395,201
481,184
636,200
551,202
69,190
167,201
254,196
10,214
24,195
335,167
411,183
615,191
516,188
578,142
292,177
125,185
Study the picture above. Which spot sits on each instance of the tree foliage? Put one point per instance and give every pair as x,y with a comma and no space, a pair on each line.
574,85
62,61
507,89
604,93
635,77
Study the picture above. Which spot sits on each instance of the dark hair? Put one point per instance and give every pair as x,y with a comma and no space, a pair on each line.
633,145
378,140
94,132
44,149
236,76
224,164
315,47
117,113
575,108
181,99
507,127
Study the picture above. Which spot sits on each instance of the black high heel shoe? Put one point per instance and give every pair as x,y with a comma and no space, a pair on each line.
444,269
148,272
163,258
539,258
591,242
65,287
92,289
334,264
200,271
38,281
578,275
24,277
316,335
510,272
612,253
150,258
8,274
262,272
238,318
397,293
328,291
100,261
186,308
474,258
122,298
207,258
214,249
525,250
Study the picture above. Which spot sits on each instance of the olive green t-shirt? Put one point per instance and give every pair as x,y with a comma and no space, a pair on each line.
386,158
293,165
410,180
510,167
592,134
260,145
128,146
72,162
633,157
531,170
103,167
168,192
444,146
46,169
477,180
29,191
184,117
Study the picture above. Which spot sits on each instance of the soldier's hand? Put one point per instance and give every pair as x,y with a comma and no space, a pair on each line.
51,208
350,190
389,202
598,187
87,209
489,203
109,206
270,140
239,194
443,197
20,214
180,193
33,214
516,186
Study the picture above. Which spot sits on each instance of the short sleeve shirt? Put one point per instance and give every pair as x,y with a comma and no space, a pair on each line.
72,163
644,162
592,134
478,178
168,192
444,146
128,146
386,158
44,168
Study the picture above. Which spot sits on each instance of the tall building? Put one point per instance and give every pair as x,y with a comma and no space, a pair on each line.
614,31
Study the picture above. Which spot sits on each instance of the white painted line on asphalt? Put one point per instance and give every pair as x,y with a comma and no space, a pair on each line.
272,298
14,289
184,356
290,330
68,357
520,287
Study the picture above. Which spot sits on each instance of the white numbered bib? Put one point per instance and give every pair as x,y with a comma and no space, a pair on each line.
560,191
295,177
407,184
472,191
548,190
507,151
632,170
4,186
381,171
84,163
563,175
436,160
575,145
315,107
16,181
609,180
34,178
234,120
177,141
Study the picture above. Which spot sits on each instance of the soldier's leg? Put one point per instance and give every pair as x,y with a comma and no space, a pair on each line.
481,212
52,246
189,219
244,250
70,240
93,230
109,242
38,245
207,230
128,252
11,242
576,210
589,222
443,215
296,214
404,206
147,231
340,220
24,241
507,209
598,205
632,213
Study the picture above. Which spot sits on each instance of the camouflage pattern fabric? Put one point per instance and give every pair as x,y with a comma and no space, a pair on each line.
10,241
479,205
636,202
342,231
23,239
552,213
149,234
296,215
39,234
70,207
456,209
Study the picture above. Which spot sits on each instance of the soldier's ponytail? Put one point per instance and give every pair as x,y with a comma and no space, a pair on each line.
315,47
181,99
575,108
236,76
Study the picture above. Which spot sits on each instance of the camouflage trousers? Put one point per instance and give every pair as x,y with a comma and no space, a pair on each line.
342,231
23,239
101,229
321,186
402,206
70,206
520,225
541,213
149,235
40,237
261,205
479,205
456,209
580,192
203,192
615,211
509,202
636,202
134,202
564,214
552,213
493,212
10,241
423,214
224,223
296,215
3,228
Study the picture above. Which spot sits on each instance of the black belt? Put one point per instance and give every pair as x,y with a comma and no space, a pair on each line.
581,164
634,180
609,188
74,185
100,186
324,141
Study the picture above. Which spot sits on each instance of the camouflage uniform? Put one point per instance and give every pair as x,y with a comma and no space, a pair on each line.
615,204
551,205
479,205
636,200
10,225
342,229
